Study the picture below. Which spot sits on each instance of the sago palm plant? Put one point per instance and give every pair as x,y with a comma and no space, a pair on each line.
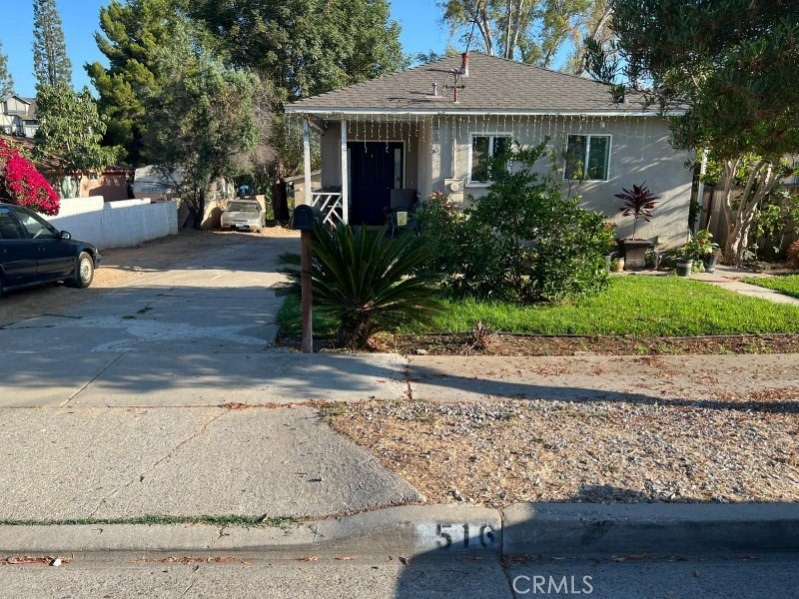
368,281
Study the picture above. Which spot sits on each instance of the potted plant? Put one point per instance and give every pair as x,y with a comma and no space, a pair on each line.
639,203
611,245
683,262
705,250
616,264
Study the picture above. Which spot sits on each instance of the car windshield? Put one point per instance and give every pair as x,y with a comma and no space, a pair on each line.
244,207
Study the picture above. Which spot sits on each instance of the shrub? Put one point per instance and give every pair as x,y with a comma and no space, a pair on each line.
522,241
364,279
21,183
699,247
440,216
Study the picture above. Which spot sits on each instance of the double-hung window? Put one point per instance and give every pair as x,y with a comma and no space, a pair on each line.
484,148
587,158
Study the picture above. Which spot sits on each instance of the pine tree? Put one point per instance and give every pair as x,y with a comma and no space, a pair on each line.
51,65
6,82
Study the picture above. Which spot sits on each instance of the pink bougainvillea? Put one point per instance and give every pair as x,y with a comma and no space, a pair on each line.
21,183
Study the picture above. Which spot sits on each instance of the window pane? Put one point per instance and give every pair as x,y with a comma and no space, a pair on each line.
598,158
37,228
8,227
480,159
575,157
501,145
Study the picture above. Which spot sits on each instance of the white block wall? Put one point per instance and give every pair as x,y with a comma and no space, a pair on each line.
116,224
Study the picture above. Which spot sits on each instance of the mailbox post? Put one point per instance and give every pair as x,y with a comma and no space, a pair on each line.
305,217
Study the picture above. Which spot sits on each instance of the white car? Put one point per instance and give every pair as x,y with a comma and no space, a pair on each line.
244,214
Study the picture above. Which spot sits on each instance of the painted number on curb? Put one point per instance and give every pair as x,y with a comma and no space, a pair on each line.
455,536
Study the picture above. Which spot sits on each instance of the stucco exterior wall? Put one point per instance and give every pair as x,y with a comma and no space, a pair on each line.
640,153
438,154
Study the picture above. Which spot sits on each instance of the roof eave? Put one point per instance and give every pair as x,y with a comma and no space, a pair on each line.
331,111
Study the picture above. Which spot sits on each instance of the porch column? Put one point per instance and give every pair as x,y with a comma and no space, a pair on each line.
306,150
345,183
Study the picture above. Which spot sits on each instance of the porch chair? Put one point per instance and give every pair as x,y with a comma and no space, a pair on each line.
399,215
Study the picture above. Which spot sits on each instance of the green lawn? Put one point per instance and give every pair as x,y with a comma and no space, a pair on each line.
635,305
789,285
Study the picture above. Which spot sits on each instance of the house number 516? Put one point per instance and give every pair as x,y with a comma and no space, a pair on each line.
469,534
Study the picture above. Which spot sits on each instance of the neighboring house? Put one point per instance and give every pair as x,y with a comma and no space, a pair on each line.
18,116
113,184
432,128
150,182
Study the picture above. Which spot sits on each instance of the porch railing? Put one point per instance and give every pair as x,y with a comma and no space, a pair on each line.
331,204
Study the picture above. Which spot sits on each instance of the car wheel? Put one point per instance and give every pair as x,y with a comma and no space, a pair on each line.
84,271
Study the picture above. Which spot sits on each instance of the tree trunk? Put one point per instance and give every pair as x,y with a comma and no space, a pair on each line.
761,181
484,24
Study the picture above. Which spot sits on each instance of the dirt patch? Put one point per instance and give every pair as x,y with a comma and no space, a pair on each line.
496,453
122,265
540,345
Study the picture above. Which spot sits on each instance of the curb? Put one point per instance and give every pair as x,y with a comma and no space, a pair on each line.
554,529
399,531
580,529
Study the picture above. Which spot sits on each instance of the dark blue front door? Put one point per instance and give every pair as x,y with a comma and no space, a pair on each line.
375,169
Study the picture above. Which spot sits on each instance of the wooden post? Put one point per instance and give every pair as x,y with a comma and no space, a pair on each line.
345,184
306,162
307,293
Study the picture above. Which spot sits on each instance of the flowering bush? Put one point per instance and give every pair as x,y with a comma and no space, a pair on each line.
21,183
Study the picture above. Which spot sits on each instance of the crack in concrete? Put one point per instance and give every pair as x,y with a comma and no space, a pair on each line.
140,477
90,381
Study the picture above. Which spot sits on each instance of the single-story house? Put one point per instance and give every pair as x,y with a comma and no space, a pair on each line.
431,129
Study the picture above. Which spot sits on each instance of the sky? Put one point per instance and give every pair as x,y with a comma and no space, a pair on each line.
421,32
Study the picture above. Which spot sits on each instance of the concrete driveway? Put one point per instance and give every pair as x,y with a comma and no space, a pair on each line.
130,402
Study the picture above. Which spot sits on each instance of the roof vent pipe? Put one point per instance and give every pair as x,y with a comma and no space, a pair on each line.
435,89
465,64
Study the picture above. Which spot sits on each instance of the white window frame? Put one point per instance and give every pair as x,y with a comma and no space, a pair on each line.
588,154
491,135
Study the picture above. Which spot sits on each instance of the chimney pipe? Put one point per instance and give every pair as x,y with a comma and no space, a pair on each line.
465,64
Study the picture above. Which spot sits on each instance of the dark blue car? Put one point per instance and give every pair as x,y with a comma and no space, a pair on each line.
33,252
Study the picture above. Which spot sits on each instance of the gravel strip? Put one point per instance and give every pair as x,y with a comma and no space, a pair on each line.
499,452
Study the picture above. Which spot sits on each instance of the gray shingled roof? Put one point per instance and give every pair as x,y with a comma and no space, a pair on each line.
494,85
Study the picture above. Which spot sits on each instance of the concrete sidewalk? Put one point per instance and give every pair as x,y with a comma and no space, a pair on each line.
730,279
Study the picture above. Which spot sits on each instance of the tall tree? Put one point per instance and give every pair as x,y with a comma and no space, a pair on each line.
51,65
200,120
736,63
70,131
305,47
6,82
131,34
534,31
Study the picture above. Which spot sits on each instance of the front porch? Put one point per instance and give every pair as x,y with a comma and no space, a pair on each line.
369,167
